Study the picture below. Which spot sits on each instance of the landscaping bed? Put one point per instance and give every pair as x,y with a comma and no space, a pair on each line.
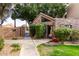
58,50
64,42
8,51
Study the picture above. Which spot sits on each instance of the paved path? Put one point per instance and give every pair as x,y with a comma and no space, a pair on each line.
28,46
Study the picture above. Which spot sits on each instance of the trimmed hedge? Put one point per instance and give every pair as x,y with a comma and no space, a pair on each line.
37,31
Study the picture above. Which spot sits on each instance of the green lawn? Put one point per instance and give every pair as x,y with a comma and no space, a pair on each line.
59,50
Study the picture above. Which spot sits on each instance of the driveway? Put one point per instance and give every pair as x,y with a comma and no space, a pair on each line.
28,46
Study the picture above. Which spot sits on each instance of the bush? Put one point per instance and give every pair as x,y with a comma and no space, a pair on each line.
1,43
32,30
37,31
62,33
15,47
75,35
40,31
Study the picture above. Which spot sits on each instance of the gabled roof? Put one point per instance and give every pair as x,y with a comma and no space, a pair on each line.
44,16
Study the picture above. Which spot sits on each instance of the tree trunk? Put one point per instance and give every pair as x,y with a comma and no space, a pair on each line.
14,23
0,25
14,29
1,22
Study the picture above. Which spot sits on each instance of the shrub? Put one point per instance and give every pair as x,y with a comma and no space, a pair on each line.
40,31
16,47
32,30
74,35
62,33
1,43
37,30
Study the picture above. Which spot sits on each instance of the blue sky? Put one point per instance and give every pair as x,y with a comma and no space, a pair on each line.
18,22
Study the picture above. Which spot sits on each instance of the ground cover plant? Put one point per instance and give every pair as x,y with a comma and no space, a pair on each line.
15,47
1,43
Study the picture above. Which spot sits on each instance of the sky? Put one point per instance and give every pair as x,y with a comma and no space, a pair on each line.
18,22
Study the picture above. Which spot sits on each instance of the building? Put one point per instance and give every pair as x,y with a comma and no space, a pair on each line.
73,11
47,20
72,19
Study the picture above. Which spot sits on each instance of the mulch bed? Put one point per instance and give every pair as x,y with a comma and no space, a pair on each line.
65,43
7,51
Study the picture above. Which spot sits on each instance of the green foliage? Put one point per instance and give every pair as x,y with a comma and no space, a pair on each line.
37,31
32,30
67,34
58,50
62,33
40,31
1,43
75,34
30,11
16,47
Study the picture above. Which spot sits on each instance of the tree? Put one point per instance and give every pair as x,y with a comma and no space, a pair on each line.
29,11
14,17
4,11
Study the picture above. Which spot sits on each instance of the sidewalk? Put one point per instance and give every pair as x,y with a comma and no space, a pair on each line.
28,46
29,49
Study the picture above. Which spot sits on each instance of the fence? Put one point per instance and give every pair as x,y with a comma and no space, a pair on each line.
9,33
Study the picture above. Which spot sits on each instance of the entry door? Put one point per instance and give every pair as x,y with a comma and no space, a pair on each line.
48,29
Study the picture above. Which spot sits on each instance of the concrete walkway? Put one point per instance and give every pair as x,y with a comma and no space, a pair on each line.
28,46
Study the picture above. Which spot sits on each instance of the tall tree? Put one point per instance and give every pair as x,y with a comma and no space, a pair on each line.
30,11
4,11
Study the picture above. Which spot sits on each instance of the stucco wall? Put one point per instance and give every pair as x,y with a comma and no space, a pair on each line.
73,11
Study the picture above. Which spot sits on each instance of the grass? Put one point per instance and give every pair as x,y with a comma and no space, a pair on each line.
59,50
